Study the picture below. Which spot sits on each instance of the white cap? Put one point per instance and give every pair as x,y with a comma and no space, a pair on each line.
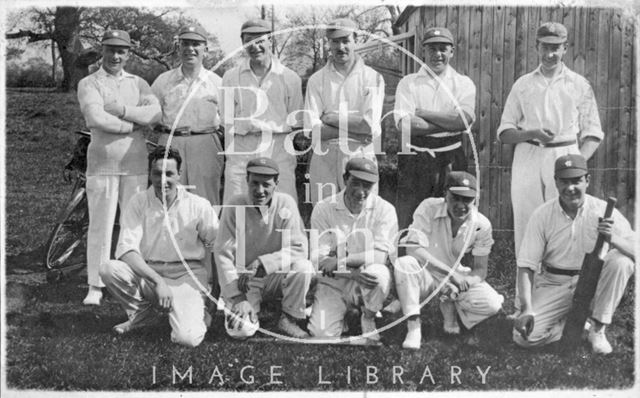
246,327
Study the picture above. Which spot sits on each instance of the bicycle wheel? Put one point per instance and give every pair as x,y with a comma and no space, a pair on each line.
69,232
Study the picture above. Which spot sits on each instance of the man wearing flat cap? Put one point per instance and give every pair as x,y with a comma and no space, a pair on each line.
559,234
433,108
442,232
353,233
190,97
261,250
115,105
549,112
343,107
263,93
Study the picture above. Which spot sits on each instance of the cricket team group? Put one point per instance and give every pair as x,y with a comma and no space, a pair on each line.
222,209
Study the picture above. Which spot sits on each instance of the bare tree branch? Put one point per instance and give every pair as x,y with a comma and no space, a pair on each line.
33,36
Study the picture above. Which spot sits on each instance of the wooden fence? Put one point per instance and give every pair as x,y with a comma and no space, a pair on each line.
496,45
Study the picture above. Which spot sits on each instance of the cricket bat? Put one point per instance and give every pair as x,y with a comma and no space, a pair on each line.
586,287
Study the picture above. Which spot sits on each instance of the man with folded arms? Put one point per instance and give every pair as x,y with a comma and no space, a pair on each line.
115,104
196,118
443,230
355,231
261,251
558,235
264,94
166,233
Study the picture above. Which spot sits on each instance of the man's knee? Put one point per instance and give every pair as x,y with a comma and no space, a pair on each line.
110,269
302,266
618,263
494,302
405,268
188,338
382,274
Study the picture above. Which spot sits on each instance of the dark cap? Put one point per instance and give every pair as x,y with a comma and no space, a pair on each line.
570,166
437,35
116,38
192,32
552,32
264,166
462,183
255,26
340,28
363,169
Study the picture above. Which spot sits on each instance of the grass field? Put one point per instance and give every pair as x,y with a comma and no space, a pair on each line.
54,343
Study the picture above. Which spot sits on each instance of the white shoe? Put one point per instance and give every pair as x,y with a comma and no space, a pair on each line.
448,310
414,335
599,342
369,328
93,296
290,328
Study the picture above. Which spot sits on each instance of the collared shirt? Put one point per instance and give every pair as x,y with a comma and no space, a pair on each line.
374,228
116,148
361,90
553,238
565,105
273,234
267,102
173,88
449,92
190,221
432,231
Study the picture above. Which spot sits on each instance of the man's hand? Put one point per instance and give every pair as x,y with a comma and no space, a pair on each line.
543,135
330,118
115,108
363,278
605,228
460,281
165,296
241,310
243,281
524,324
328,265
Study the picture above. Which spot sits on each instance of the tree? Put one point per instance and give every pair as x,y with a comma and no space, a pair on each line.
77,32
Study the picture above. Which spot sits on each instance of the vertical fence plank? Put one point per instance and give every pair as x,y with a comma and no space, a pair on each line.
597,164
531,53
626,158
462,38
475,37
484,112
522,38
615,145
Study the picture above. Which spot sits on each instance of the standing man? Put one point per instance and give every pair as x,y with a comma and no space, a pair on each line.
443,230
261,250
264,93
343,109
356,230
189,97
115,105
433,108
558,235
549,112
161,227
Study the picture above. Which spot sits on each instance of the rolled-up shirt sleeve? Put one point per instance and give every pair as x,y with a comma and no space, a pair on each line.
405,104
532,248
589,119
208,226
313,105
483,238
511,114
371,107
92,108
385,230
131,226
467,98
323,234
224,251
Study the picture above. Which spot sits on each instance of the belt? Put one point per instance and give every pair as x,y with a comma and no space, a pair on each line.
184,132
551,144
559,271
432,151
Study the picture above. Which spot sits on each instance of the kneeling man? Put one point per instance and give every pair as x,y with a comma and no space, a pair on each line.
164,236
443,230
355,231
261,251
558,235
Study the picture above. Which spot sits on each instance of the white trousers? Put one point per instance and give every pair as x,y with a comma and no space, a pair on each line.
104,194
552,296
414,284
291,286
201,163
326,170
235,174
333,298
138,297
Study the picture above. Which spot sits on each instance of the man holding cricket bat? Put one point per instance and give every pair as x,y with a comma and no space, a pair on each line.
558,235
443,230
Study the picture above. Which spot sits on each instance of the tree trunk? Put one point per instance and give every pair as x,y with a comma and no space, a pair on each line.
67,21
53,62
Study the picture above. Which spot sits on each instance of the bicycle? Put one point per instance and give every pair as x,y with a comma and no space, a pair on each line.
69,233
